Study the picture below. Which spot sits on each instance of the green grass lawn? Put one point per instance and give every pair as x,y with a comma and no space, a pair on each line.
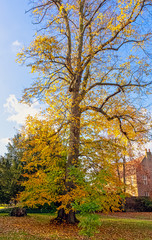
38,227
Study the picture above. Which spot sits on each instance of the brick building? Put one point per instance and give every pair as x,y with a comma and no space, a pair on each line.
138,176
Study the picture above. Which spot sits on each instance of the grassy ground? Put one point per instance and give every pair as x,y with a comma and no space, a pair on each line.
119,226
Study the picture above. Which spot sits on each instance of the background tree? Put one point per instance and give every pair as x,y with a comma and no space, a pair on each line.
10,172
92,65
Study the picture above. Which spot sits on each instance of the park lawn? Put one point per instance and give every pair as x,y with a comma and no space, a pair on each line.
134,226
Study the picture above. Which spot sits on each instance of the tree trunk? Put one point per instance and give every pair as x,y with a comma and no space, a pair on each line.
124,180
73,154
124,173
117,169
74,139
66,217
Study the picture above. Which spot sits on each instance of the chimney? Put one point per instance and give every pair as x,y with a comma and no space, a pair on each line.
148,153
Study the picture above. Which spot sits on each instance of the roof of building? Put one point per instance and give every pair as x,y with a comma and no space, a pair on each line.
136,161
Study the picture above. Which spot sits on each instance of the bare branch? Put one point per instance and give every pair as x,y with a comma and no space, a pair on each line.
130,20
110,96
93,15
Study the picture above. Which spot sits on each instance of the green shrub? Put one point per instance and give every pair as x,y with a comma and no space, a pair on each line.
86,207
89,224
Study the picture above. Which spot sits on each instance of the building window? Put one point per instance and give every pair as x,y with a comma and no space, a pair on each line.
145,180
146,194
132,180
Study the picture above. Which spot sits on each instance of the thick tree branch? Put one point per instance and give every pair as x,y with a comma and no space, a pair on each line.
110,96
65,16
100,110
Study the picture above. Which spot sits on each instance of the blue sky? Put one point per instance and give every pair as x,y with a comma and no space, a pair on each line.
16,30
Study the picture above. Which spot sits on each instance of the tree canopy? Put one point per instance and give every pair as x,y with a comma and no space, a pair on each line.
93,62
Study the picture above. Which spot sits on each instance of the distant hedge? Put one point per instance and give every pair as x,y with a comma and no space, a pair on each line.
138,204
39,209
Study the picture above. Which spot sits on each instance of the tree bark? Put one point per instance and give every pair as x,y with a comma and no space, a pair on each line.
124,173
73,154
66,217
74,139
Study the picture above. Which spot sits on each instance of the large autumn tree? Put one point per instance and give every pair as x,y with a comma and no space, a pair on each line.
92,60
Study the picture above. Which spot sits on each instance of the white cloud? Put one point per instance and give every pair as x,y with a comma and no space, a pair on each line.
16,46
16,43
19,111
4,140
